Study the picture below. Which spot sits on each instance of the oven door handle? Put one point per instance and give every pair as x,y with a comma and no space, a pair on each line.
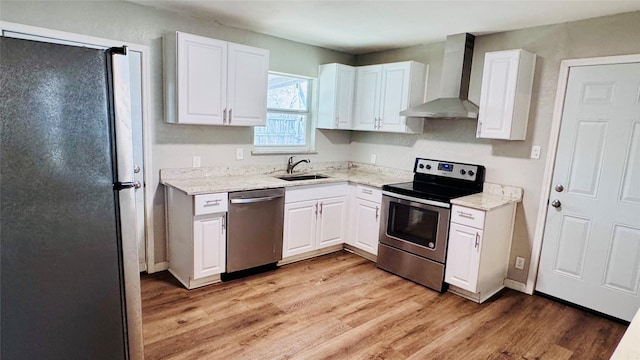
417,200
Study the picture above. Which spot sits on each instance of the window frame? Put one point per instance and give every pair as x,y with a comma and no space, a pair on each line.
310,123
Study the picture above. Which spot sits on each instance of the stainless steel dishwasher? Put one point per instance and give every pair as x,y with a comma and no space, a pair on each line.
254,228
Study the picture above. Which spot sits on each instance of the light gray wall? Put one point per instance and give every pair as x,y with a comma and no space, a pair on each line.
175,145
507,162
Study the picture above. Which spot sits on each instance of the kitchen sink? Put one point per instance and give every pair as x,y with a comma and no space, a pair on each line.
302,177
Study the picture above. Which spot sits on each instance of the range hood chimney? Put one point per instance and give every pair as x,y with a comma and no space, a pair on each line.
454,85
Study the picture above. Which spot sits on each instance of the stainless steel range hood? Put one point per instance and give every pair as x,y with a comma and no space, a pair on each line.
454,85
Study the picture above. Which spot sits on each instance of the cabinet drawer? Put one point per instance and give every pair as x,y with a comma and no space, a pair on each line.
368,193
210,203
315,192
467,216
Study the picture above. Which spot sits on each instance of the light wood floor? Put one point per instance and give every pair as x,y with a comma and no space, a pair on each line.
340,306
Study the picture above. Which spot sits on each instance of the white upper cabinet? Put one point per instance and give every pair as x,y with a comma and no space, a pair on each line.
367,97
507,80
335,93
247,83
214,82
382,91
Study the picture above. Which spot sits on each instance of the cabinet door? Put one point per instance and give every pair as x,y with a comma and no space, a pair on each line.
202,79
505,97
209,241
394,96
335,96
463,257
344,98
248,78
299,227
331,224
366,110
366,223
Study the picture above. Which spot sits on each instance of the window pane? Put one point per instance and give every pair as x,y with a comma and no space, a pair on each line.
287,93
282,130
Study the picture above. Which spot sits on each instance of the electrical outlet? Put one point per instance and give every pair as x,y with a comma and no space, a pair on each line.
535,152
239,153
373,158
196,161
519,263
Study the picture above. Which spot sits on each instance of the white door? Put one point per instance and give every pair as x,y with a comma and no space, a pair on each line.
463,257
135,71
209,238
394,96
248,80
202,79
331,224
299,227
591,247
367,98
366,225
344,98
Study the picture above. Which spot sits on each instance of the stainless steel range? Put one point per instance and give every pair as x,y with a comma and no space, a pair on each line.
413,237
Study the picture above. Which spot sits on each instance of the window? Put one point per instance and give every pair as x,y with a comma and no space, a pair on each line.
288,116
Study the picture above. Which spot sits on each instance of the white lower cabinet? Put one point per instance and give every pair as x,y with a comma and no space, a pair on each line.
196,232
209,237
314,220
364,219
478,250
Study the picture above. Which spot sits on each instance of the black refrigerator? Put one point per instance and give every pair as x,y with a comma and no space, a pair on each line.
67,289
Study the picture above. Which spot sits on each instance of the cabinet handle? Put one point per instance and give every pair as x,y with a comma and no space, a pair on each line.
477,241
377,210
224,116
224,224
479,129
316,209
366,191
320,208
337,121
230,115
465,215
212,202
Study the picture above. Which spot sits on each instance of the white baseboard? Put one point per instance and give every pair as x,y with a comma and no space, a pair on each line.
516,285
161,266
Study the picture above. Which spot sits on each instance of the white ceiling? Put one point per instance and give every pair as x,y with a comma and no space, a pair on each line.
359,27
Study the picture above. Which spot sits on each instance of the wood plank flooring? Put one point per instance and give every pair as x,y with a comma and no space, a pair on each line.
340,306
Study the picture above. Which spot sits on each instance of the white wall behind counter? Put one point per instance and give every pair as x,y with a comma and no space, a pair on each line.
173,146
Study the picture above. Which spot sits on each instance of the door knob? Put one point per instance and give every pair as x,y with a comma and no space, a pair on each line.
137,185
559,188
556,203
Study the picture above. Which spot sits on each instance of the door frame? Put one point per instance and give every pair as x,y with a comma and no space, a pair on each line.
147,109
554,137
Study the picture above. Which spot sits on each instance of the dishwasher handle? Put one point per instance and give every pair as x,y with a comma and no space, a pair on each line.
254,200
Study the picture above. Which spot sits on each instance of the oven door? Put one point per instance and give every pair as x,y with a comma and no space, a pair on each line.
415,227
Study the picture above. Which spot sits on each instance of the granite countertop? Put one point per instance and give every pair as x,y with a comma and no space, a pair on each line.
493,196
193,183
197,181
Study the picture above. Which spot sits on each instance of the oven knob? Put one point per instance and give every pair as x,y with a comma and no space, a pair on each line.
428,167
471,173
421,166
462,172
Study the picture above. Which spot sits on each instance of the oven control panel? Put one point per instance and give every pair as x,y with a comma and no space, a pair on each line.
446,169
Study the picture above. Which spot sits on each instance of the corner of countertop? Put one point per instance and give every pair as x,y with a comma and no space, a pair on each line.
513,192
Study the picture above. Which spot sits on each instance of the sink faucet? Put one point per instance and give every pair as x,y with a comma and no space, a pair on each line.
291,164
